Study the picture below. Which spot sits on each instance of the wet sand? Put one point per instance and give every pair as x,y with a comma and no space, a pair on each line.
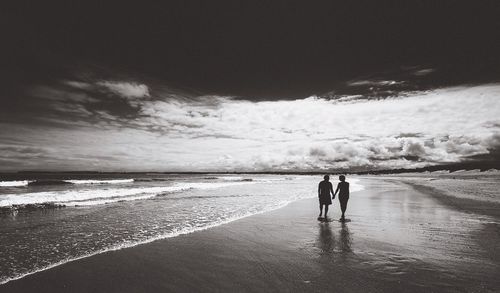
470,191
398,239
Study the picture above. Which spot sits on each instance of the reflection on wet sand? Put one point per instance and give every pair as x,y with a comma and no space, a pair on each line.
333,239
325,238
345,238
404,240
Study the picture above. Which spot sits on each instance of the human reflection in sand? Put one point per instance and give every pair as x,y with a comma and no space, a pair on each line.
345,238
326,239
333,239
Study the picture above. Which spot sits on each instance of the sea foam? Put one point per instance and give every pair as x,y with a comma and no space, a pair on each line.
215,212
112,181
131,243
100,196
19,183
14,183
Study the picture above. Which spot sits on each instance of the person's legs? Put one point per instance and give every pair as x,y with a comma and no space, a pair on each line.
343,206
326,209
320,209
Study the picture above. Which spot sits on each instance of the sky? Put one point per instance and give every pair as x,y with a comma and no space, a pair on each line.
248,86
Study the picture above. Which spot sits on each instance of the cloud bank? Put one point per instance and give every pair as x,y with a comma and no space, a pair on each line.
120,125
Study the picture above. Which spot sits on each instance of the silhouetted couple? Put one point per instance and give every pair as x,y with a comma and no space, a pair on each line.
324,190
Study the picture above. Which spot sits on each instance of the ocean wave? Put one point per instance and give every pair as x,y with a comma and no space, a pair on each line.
234,178
37,206
131,243
185,228
14,183
151,179
42,182
110,181
230,178
101,196
354,185
48,182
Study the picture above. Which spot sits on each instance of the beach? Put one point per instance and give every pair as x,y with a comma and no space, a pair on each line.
398,238
250,146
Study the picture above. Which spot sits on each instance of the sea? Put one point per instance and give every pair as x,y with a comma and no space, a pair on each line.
49,219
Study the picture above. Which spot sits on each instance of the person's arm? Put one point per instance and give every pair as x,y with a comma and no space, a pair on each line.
319,189
331,190
338,187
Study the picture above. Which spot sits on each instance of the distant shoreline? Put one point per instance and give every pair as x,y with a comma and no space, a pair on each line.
450,168
477,206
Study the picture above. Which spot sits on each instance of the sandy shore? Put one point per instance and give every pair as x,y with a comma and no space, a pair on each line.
470,191
398,239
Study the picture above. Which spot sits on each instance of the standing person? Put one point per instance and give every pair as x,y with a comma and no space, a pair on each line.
324,189
343,187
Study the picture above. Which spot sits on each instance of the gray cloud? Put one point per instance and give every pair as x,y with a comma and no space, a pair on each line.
375,83
409,135
126,89
423,72
87,125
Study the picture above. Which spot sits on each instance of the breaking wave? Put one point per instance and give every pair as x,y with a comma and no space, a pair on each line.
14,183
142,224
99,196
130,243
40,182
112,181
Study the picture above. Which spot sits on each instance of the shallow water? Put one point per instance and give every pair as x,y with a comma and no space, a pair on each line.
396,235
399,235
36,233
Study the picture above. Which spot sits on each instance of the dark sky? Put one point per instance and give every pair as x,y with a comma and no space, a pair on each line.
248,86
254,49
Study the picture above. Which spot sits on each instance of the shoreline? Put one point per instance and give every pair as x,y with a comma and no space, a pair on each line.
287,249
23,283
476,206
144,242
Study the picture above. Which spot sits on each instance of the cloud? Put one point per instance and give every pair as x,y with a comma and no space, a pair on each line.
126,89
409,135
121,88
210,133
71,102
423,72
375,83
78,84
